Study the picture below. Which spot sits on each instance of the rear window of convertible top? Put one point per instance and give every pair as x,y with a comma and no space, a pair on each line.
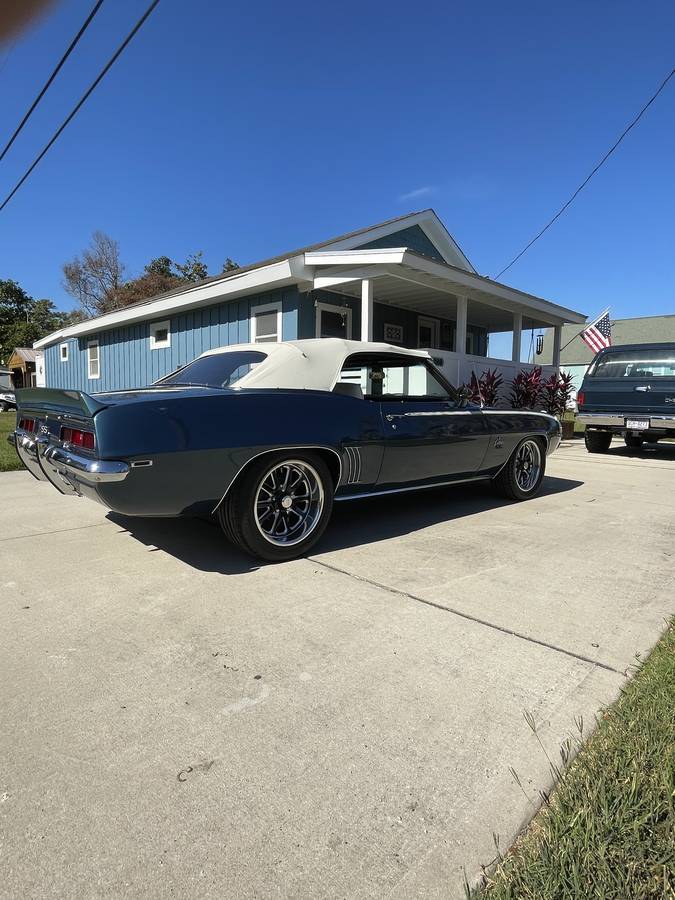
221,370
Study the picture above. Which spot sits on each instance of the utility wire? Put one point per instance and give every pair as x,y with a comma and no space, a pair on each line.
80,103
585,182
51,78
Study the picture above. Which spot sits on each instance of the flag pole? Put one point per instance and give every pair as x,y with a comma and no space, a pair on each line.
590,324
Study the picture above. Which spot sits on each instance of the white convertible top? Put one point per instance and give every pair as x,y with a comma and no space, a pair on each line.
306,365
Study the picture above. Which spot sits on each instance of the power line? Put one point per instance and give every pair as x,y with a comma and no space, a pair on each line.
80,103
585,182
51,78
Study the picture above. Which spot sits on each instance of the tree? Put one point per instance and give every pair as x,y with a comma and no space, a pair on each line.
94,279
193,269
96,282
24,320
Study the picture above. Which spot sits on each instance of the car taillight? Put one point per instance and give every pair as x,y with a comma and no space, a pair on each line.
581,399
27,424
78,438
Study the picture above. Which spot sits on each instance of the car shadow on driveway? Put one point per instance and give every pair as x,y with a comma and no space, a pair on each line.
200,543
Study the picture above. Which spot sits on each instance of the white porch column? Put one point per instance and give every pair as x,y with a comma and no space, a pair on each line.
517,335
366,309
557,340
460,329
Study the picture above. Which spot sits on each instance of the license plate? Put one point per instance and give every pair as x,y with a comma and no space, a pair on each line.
637,424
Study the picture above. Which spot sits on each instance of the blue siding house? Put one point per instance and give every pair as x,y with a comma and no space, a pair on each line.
404,282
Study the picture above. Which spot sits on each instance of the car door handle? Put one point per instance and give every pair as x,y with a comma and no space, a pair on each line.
643,387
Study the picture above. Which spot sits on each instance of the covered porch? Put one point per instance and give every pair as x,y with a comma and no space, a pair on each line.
452,308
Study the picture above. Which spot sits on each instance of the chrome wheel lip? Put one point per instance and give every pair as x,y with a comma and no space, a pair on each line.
527,466
308,510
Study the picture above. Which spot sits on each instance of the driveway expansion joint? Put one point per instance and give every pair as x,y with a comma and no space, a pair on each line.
468,616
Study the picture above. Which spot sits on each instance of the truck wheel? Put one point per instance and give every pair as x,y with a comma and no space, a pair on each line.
597,441
633,442
523,474
280,505
3,406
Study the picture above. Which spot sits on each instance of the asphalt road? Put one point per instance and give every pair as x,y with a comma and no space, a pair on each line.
177,721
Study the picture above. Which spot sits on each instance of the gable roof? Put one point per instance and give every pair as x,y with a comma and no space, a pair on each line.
425,219
27,354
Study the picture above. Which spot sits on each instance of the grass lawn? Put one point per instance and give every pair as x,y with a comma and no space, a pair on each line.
8,458
608,829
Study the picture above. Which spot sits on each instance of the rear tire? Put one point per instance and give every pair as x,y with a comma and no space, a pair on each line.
279,506
522,475
3,406
633,442
597,441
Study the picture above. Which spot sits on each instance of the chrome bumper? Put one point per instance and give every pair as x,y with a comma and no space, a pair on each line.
655,422
48,462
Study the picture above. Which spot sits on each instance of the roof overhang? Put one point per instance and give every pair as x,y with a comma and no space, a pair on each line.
402,278
266,278
406,279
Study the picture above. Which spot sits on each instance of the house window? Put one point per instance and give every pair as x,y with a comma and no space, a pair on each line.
93,360
333,321
160,335
63,352
266,324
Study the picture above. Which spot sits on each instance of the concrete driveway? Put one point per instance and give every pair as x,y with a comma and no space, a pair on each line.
176,721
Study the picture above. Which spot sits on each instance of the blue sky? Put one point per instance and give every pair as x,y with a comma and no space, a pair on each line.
248,129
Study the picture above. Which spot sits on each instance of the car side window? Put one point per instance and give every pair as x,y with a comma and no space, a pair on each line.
396,378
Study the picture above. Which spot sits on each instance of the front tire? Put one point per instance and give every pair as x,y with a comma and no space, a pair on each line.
597,441
279,506
521,477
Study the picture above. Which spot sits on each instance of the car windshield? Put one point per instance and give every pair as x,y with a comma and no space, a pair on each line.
220,370
636,363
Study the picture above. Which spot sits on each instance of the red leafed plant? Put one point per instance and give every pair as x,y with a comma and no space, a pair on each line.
526,388
555,393
484,390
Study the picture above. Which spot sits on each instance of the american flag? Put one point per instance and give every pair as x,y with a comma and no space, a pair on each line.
599,334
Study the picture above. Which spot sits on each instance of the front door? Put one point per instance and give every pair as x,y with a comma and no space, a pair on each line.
333,321
428,332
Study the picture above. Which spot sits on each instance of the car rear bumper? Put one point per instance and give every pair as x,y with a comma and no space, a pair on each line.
618,422
65,469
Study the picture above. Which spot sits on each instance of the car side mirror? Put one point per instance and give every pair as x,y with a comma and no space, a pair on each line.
463,397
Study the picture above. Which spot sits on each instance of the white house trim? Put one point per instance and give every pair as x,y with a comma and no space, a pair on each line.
63,357
93,363
265,278
430,224
345,311
155,327
407,264
253,321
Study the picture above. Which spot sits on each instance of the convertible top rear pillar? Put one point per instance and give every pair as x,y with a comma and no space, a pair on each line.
366,309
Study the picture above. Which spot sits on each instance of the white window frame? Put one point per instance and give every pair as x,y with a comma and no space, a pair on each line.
265,308
63,347
90,345
160,326
434,324
331,307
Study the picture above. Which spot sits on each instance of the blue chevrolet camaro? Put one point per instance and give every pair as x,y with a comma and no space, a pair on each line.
268,436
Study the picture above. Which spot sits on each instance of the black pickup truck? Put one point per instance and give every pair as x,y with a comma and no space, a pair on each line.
628,390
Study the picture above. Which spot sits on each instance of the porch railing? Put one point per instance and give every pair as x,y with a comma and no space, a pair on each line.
457,368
